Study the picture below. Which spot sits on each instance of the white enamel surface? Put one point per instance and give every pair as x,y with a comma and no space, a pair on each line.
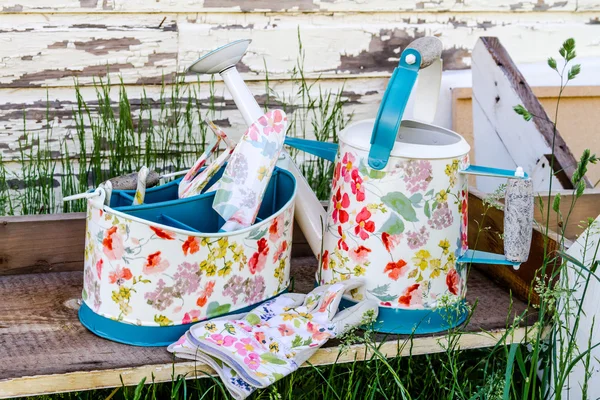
415,140
243,98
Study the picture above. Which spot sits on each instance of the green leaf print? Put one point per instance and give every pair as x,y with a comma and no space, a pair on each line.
253,319
381,292
214,309
272,359
257,233
427,210
401,204
416,198
393,225
371,173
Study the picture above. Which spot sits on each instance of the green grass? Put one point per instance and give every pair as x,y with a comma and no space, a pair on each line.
165,134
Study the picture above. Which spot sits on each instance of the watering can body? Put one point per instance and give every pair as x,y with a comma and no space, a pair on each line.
398,213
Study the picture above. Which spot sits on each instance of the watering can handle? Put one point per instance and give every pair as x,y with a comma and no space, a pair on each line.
422,54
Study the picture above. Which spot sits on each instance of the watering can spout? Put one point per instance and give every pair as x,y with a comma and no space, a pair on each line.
309,212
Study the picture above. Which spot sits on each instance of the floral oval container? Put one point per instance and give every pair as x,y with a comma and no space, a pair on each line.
403,227
152,270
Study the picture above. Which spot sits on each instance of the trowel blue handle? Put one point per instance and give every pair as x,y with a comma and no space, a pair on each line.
392,108
324,150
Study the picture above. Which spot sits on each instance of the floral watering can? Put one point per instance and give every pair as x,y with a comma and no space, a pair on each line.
398,209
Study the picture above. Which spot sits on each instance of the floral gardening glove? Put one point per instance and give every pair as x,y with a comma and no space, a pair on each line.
254,350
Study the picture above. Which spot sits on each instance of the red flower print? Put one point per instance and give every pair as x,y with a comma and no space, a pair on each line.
205,294
162,233
337,172
190,245
364,225
155,264
339,203
275,230
347,165
342,241
260,337
356,186
407,298
396,269
390,241
385,303
328,299
317,333
120,275
359,254
285,330
99,268
452,281
112,244
325,259
259,258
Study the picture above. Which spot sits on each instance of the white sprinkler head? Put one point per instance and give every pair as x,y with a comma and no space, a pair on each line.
221,58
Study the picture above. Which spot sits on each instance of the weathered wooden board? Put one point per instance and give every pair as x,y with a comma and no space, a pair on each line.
577,123
29,107
313,6
503,138
50,50
46,350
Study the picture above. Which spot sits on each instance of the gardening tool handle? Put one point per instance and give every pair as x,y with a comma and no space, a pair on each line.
422,53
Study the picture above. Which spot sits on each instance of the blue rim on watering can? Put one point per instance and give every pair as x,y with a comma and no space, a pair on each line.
391,110
144,336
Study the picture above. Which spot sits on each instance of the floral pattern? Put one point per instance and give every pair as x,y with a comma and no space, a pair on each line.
403,227
149,275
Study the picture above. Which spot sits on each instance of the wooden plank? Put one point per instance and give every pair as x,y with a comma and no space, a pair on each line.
578,117
498,86
59,351
41,243
305,6
40,50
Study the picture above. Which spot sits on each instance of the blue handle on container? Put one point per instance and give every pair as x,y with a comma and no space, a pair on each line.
392,108
324,150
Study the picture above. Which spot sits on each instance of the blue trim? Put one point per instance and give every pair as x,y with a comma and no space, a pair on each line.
325,150
483,257
405,322
391,110
489,171
146,336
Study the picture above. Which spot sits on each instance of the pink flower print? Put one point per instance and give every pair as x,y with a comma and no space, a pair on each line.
360,254
155,264
357,185
319,334
327,301
221,340
417,175
411,296
337,172
285,330
260,337
417,239
464,242
347,165
276,229
273,121
282,248
441,217
242,325
390,241
252,361
244,346
259,258
180,341
192,316
339,203
253,132
112,244
363,224
342,245
99,268
120,275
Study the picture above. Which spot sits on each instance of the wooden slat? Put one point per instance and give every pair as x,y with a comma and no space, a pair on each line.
45,349
307,6
52,49
44,243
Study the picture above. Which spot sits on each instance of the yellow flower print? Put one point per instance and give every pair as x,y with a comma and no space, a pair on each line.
420,259
274,347
210,327
435,263
226,270
262,173
442,196
211,270
445,245
287,316
450,263
162,320
205,242
359,271
305,315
